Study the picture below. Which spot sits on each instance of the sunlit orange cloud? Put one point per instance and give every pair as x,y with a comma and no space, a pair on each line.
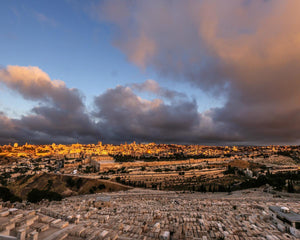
29,79
33,83
151,86
144,48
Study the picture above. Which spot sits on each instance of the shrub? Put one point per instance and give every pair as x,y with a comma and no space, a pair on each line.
36,195
79,183
93,189
70,182
6,195
101,186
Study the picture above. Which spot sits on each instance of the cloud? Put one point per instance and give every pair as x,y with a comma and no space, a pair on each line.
151,86
124,116
248,49
60,116
8,129
120,114
34,84
127,116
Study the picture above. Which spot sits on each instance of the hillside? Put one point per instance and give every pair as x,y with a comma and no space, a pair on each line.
65,185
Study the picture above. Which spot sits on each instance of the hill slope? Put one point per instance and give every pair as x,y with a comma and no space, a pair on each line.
64,185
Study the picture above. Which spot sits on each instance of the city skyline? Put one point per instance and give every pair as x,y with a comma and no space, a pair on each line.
193,72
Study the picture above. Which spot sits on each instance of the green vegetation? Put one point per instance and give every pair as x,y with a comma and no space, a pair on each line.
6,195
101,186
234,170
94,188
89,169
150,158
79,183
278,181
72,183
290,154
36,195
49,184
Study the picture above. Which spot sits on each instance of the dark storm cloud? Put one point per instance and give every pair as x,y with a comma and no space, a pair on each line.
126,117
8,130
57,122
248,49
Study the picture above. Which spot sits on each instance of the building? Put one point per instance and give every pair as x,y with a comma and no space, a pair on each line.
96,161
286,220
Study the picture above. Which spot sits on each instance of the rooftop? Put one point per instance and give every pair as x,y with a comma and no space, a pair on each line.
291,216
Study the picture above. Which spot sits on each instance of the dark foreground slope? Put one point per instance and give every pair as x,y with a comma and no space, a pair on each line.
64,185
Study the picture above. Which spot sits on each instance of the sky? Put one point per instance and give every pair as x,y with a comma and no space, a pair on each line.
191,72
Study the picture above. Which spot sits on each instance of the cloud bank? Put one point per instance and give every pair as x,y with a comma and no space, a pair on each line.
250,49
119,114
129,117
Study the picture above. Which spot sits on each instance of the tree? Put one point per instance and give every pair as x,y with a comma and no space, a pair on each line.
229,189
93,189
36,195
290,187
6,195
70,182
101,186
49,184
79,183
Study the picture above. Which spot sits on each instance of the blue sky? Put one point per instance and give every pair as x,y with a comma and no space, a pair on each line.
63,40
